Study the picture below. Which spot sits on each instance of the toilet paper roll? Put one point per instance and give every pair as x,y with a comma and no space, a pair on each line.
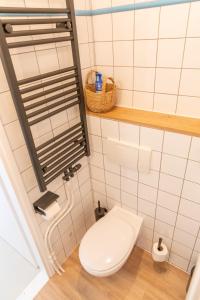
51,211
159,255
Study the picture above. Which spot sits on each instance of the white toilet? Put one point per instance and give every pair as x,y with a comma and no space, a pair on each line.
107,245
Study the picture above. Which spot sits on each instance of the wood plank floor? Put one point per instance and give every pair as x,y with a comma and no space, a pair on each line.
139,279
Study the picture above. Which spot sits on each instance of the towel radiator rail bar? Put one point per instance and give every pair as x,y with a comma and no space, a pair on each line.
62,89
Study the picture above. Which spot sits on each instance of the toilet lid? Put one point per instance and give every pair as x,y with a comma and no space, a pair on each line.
106,244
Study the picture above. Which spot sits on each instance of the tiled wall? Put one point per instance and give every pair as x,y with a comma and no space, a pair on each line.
134,51
33,61
167,197
153,55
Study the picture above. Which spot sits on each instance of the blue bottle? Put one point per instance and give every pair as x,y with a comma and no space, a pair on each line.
99,82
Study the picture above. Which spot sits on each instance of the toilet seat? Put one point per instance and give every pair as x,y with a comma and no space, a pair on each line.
107,245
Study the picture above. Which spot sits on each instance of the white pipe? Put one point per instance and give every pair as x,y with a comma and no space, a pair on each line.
64,212
52,258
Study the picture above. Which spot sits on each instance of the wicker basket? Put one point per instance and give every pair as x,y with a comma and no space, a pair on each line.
103,101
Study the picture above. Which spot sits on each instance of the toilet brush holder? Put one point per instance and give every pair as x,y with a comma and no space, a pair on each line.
99,211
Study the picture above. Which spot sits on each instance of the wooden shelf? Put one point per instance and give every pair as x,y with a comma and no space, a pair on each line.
179,124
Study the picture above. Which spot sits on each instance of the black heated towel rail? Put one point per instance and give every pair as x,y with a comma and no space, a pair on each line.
43,96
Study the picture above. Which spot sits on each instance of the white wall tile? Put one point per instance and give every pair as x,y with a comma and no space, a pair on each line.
146,23
184,238
7,110
170,53
94,126
166,215
152,138
195,149
129,200
145,53
146,207
178,261
97,173
191,191
99,187
82,29
190,87
165,103
113,193
176,144
147,193
96,4
84,55
147,220
193,24
95,143
14,134
47,60
121,2
181,250
168,201
112,179
124,98
102,26
145,244
143,100
145,234
112,203
110,129
150,178
104,53
193,171
129,186
96,159
188,106
129,133
123,53
173,21
123,25
164,229
155,160
144,79
173,165
22,158
197,245
129,173
170,184
4,84
124,77
191,55
167,80
111,166
188,225
29,179
190,209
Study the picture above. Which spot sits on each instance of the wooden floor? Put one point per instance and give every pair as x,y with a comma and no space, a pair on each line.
139,279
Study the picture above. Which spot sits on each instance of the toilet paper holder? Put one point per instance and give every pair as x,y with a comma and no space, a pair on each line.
160,248
44,202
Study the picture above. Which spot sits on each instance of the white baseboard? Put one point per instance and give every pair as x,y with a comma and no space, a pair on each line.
34,287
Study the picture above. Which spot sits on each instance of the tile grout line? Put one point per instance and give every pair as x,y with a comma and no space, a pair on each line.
156,204
133,94
104,164
183,56
156,62
181,194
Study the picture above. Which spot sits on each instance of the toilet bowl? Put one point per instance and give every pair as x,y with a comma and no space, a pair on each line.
107,245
